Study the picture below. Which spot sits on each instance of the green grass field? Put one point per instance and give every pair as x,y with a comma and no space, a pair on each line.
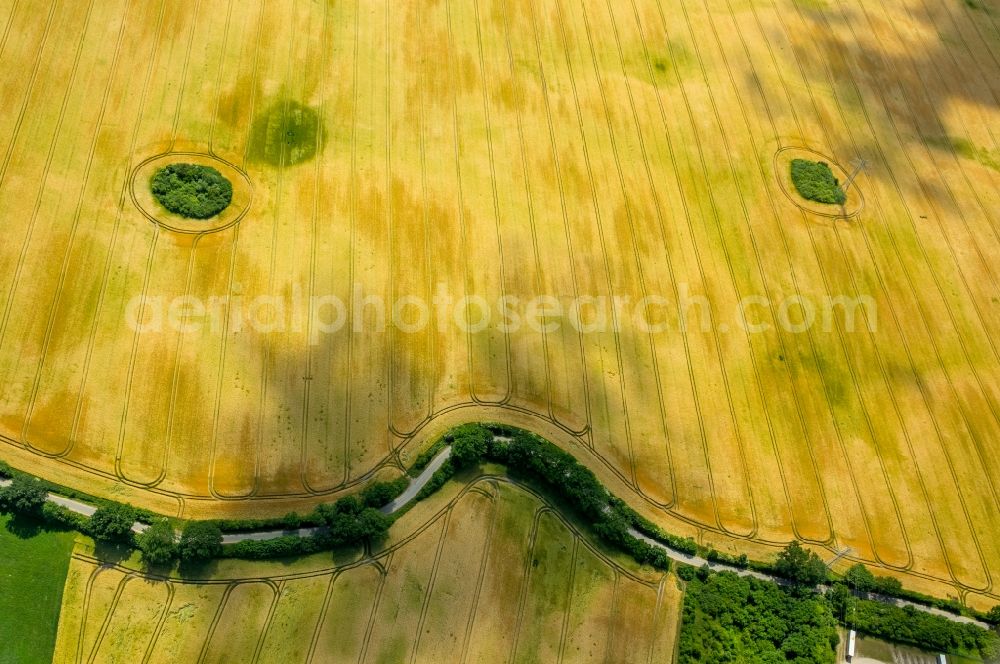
33,566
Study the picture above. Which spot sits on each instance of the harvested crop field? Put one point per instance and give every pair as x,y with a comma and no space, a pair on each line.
736,365
494,576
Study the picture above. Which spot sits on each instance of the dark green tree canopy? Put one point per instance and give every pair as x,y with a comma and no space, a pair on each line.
112,523
378,494
800,565
192,190
24,494
470,443
816,182
157,543
727,618
200,540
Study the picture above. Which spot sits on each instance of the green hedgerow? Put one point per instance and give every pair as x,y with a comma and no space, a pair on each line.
191,190
816,182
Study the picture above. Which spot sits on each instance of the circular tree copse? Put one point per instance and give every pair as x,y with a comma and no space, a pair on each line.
192,190
816,182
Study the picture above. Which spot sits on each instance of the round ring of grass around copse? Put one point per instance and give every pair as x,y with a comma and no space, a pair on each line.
153,209
854,199
193,191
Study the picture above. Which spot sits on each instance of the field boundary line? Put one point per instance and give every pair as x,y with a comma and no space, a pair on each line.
522,594
223,602
223,346
268,621
529,197
112,71
320,162
155,636
44,177
119,589
15,134
836,429
908,214
493,495
370,627
112,245
569,599
429,590
881,216
502,266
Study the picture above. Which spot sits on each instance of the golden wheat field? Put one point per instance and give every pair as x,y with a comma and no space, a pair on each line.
494,574
567,154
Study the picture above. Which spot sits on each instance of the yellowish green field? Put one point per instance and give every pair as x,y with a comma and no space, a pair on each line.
490,148
493,574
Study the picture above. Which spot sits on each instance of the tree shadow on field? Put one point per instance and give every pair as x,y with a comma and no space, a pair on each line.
286,133
27,527
197,570
111,552
936,55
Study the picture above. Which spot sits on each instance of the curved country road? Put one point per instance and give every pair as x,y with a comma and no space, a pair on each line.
418,483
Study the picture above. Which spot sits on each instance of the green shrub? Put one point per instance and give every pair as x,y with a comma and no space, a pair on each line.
279,547
686,572
24,495
59,516
437,480
379,494
200,540
112,523
290,520
158,543
651,530
469,444
349,521
816,182
801,566
727,618
910,626
426,457
192,190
